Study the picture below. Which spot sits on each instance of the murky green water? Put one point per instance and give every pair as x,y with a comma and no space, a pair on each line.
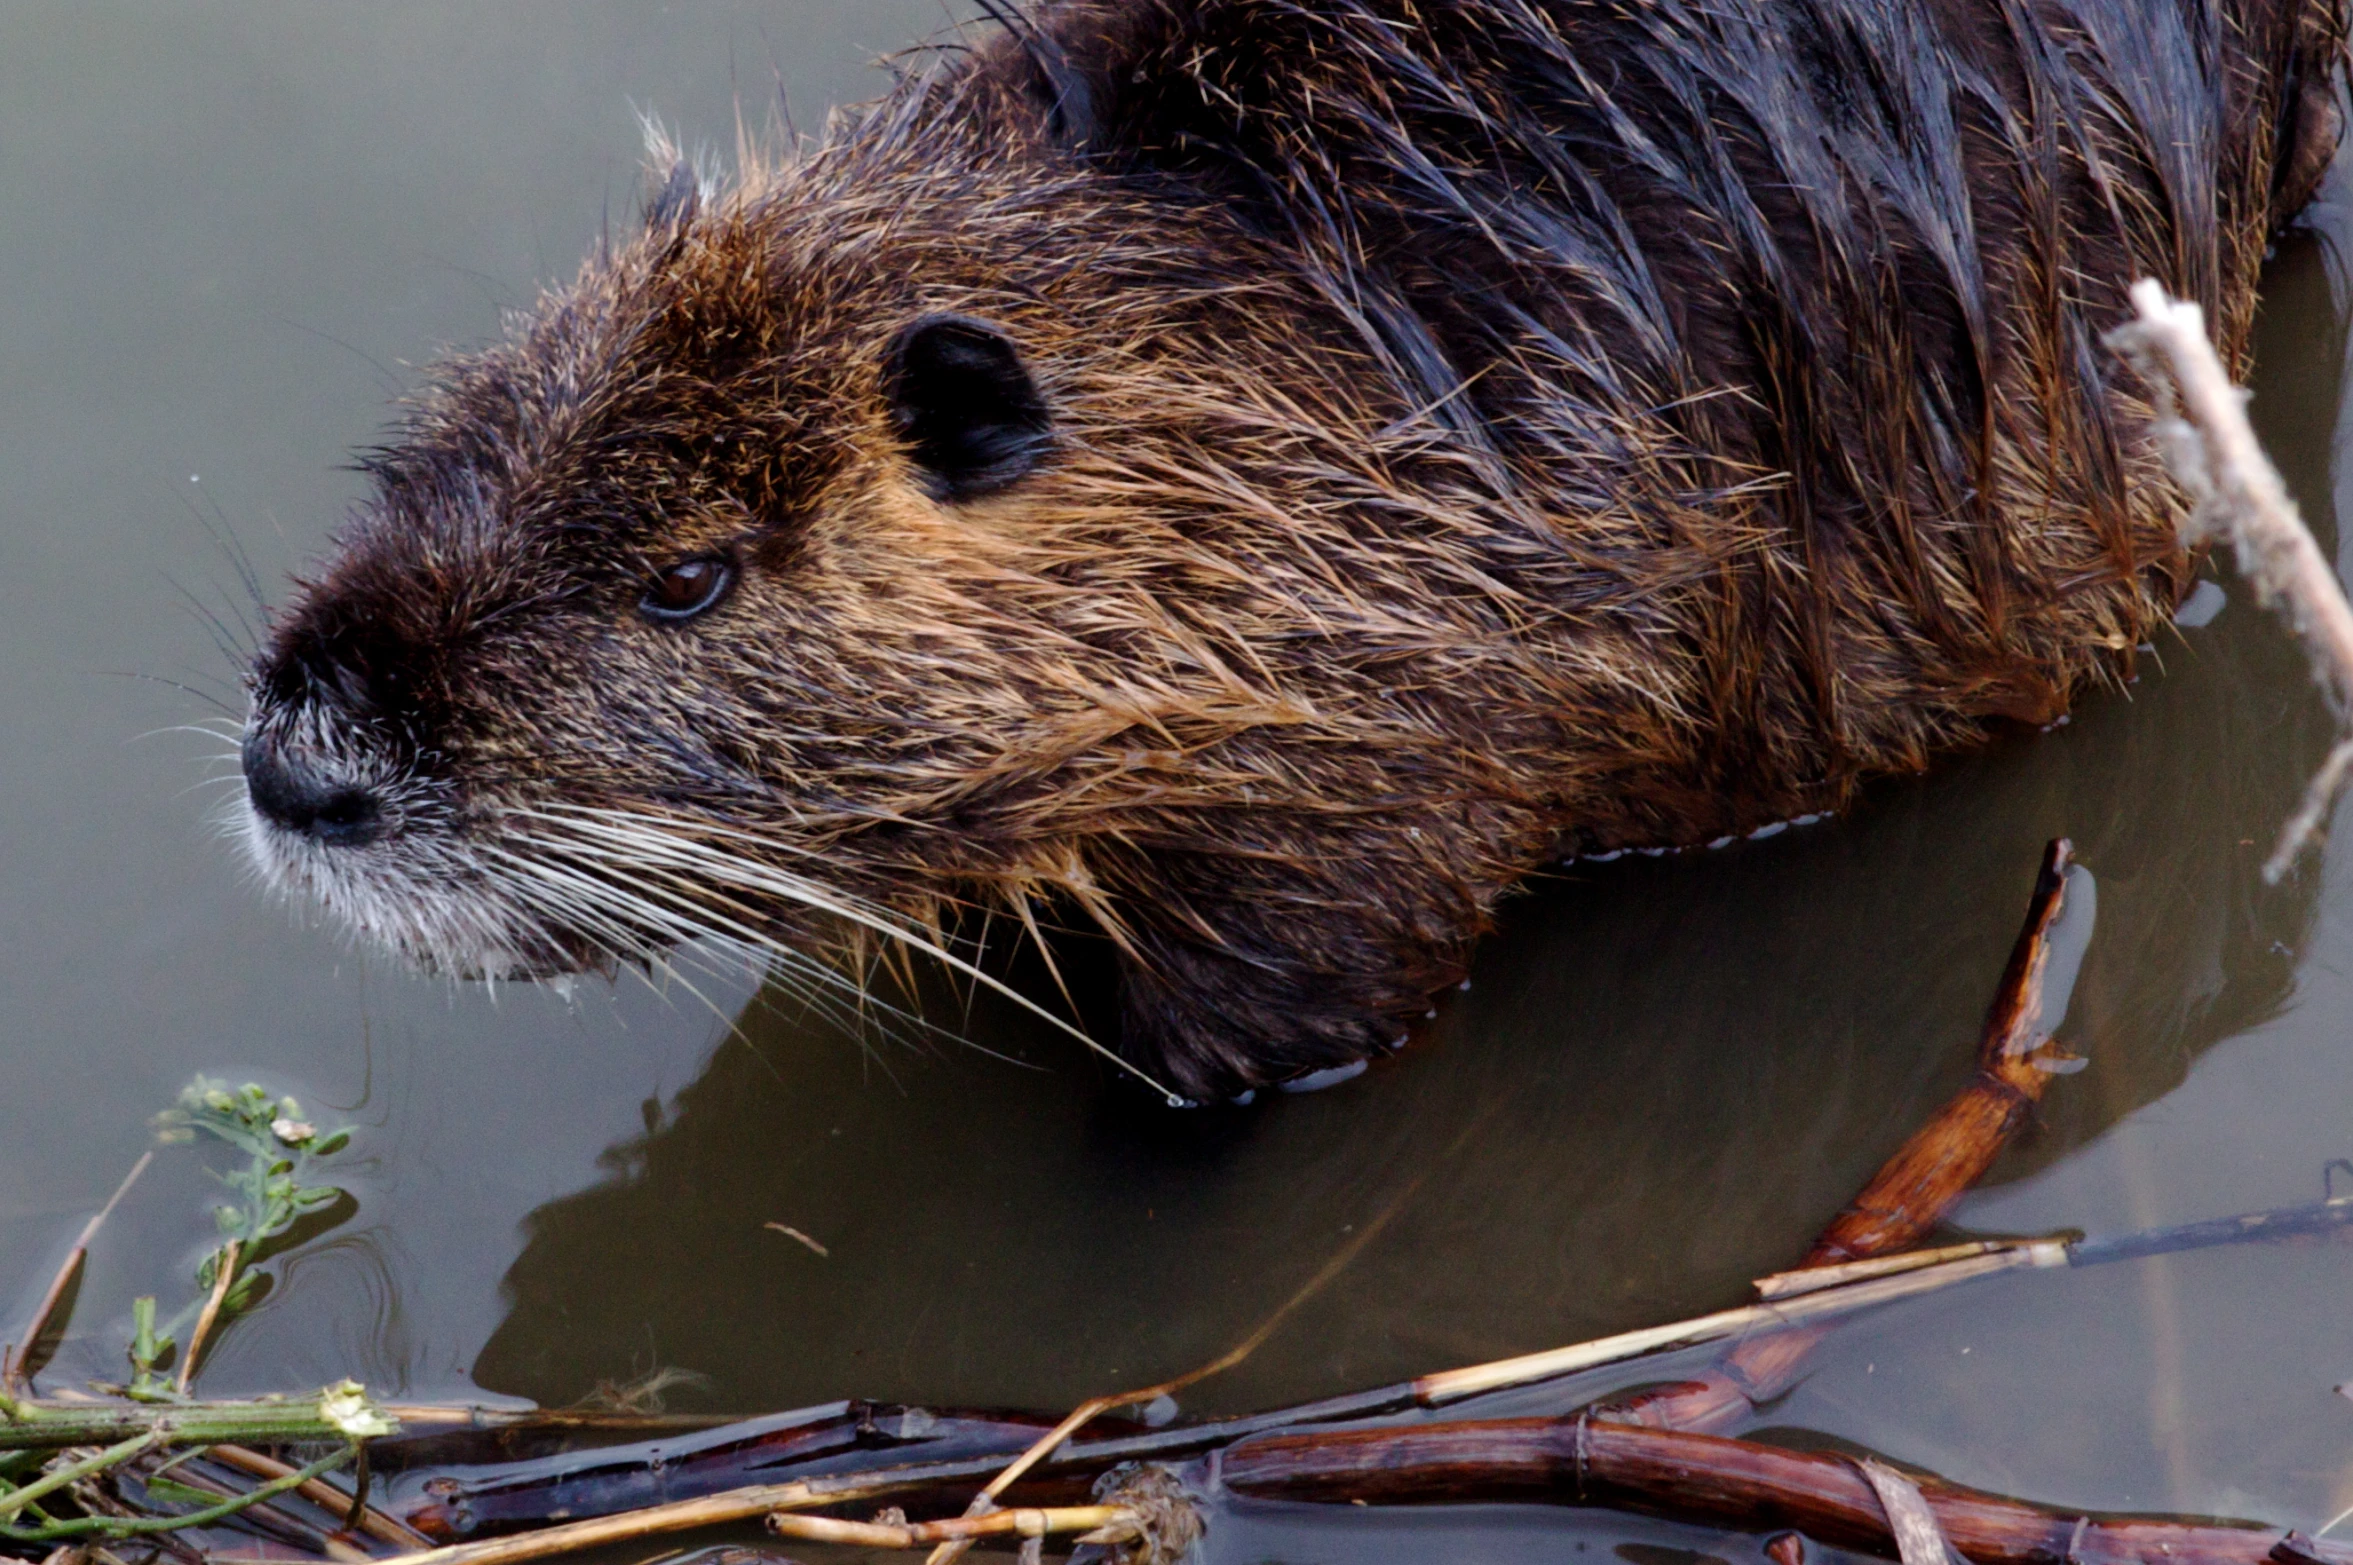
230,229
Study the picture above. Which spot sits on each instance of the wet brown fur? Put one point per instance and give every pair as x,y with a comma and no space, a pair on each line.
1481,431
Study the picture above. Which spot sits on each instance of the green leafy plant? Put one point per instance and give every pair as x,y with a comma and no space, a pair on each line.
274,1208
52,1452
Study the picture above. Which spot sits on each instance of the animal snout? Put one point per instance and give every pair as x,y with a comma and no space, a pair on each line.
292,792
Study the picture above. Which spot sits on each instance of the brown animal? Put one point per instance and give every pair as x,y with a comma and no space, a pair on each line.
1269,474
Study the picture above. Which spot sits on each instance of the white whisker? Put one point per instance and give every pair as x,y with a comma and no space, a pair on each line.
654,843
594,905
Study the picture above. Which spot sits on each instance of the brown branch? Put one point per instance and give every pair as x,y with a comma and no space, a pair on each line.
1912,1191
1709,1481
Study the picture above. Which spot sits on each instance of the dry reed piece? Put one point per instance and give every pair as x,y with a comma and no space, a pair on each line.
750,1503
1813,1279
1098,1523
224,1272
654,1521
33,1356
1820,1303
2202,430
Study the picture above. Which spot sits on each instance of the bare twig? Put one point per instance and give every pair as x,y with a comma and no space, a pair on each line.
1813,1279
2210,448
1938,1163
793,1233
718,1510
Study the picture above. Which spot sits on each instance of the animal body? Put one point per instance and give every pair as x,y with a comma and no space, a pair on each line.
1263,476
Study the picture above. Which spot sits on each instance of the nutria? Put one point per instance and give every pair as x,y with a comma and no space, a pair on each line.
1267,475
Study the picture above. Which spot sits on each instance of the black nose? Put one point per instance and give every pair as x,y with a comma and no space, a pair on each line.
290,793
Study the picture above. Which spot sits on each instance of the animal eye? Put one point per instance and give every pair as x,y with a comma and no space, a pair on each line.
687,588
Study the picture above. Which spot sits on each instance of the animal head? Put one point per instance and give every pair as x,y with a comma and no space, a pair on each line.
853,545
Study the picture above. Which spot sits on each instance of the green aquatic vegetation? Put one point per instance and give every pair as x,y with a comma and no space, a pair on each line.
340,1417
276,1202
274,1208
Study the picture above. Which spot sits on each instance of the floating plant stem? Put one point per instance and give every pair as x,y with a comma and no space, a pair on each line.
73,1527
338,1414
49,1483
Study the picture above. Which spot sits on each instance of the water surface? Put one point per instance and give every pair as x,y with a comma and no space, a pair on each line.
236,226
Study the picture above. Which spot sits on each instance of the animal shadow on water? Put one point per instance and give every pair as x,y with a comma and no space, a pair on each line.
1666,1076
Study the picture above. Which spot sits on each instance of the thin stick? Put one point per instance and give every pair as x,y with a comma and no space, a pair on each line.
1107,1520
1813,1279
717,1510
28,1360
2202,430
1822,1303
223,1273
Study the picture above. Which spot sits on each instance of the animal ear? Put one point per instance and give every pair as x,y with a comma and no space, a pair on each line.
965,403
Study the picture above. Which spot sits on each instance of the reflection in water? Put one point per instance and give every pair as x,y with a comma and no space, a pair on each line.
1669,1072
